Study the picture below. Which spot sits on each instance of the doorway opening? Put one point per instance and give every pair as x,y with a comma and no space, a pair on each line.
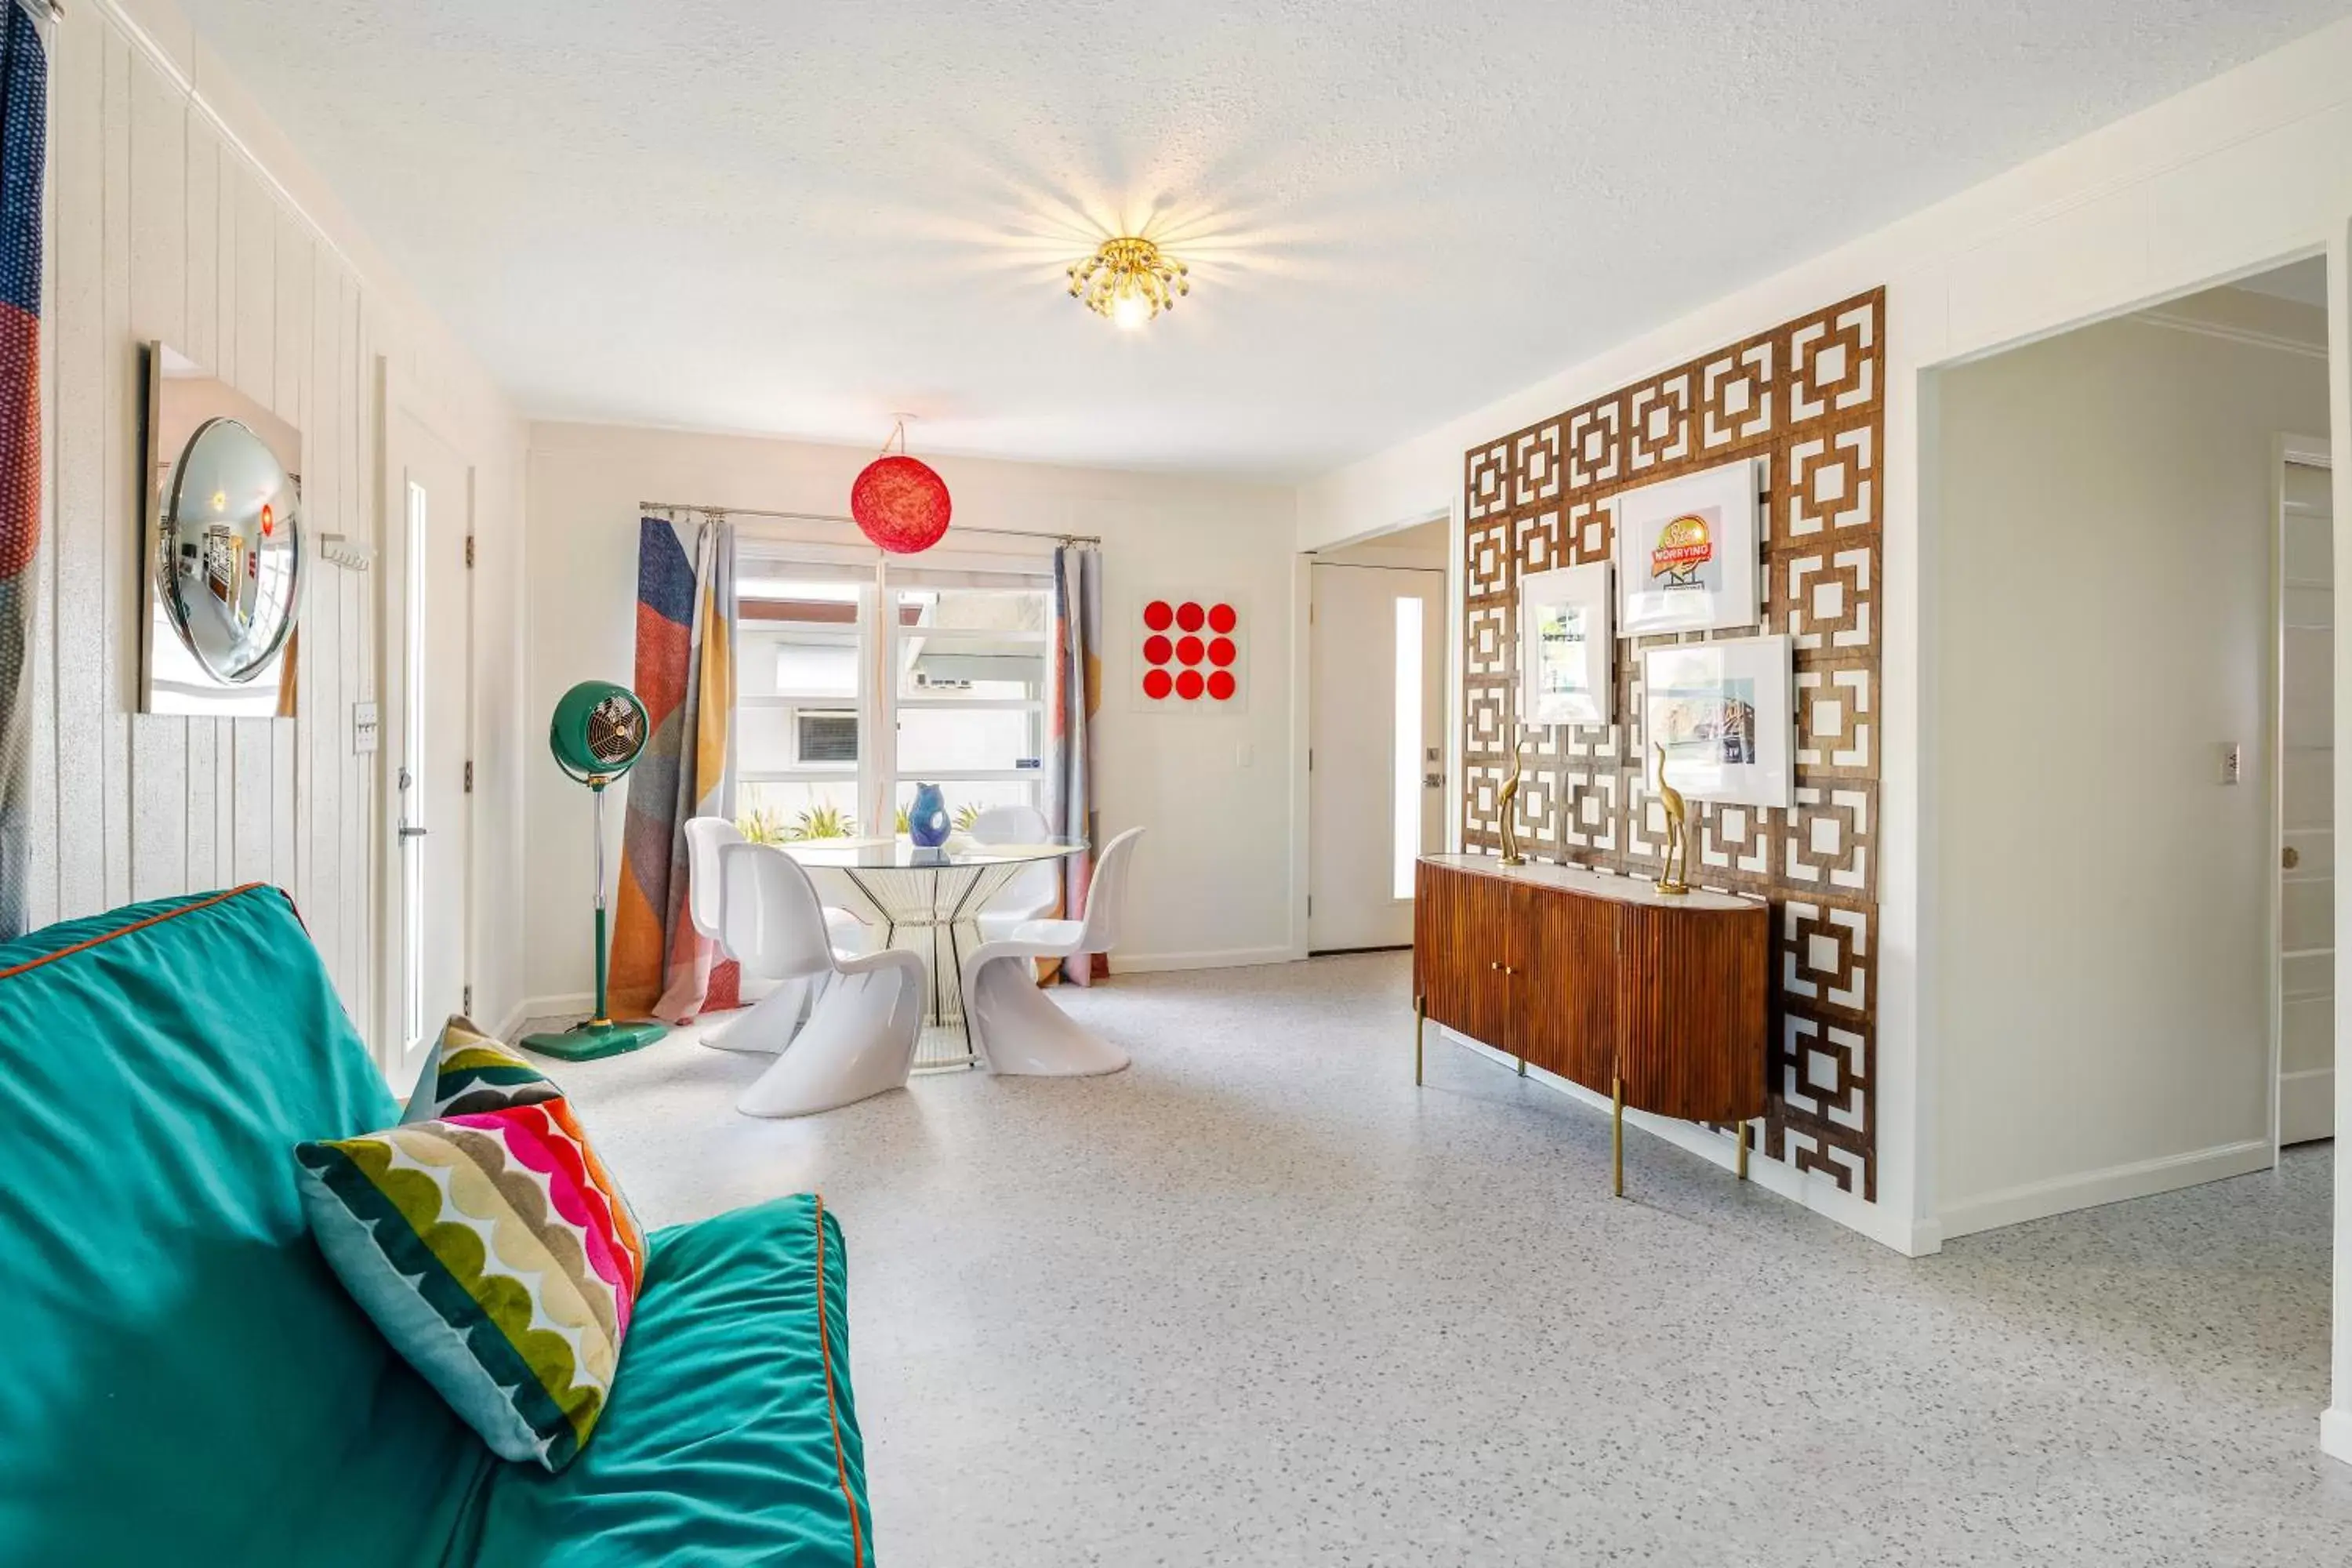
1376,726
2129,640
428,765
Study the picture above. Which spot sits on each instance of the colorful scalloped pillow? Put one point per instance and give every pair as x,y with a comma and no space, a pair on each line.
471,1071
496,1253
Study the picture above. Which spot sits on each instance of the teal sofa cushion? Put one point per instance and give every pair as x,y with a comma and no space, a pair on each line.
181,1378
731,1424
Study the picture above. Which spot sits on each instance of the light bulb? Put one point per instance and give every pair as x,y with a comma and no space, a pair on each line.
1130,309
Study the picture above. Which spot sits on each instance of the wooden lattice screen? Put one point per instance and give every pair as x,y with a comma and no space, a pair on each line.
1808,398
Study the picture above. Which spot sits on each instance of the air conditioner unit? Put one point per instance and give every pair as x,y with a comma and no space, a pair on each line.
820,737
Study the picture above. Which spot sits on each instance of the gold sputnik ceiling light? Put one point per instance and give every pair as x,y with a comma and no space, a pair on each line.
1129,280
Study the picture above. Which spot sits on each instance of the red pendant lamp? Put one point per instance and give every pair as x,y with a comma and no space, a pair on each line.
901,503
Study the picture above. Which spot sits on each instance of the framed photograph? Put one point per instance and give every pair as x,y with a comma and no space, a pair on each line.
1722,711
1687,553
1566,661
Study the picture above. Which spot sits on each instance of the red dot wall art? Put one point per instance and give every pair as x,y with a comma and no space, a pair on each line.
1190,652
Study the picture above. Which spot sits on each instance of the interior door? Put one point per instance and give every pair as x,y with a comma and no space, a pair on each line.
1376,778
2306,978
429,652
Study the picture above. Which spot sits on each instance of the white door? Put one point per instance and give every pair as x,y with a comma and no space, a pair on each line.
429,651
1376,776
2307,979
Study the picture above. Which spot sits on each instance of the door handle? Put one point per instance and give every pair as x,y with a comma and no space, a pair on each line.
413,832
2290,858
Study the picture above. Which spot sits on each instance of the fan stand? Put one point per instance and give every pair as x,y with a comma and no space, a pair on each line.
599,1036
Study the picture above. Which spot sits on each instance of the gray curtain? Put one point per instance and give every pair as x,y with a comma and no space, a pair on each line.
1075,698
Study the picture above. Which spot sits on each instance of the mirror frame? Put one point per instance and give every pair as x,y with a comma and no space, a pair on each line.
183,401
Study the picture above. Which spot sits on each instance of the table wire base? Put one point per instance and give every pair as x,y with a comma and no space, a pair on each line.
932,912
945,1048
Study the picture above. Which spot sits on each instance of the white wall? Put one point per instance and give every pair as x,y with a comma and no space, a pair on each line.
177,213
2103,622
1212,876
2242,172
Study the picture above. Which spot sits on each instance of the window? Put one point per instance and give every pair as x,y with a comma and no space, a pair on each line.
797,699
953,677
1405,794
969,694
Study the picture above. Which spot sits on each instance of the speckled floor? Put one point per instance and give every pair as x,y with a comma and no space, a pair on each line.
1258,1301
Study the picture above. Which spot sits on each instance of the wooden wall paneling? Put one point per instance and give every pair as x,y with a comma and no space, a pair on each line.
159,304
78,380
320,786
254,806
1806,399
363,625
296,267
225,862
204,869
201,288
119,364
256,283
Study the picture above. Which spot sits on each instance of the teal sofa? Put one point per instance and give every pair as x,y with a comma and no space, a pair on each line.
183,1380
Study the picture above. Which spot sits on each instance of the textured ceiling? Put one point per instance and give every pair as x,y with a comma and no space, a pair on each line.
794,219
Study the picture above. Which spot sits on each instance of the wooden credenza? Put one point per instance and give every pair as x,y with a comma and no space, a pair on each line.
1661,1001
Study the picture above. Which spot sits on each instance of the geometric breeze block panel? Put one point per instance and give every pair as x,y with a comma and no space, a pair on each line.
1804,400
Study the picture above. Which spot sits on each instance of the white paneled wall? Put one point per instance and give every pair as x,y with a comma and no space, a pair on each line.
163,227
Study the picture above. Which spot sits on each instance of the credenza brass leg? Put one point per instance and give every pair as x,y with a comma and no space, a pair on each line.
1420,1019
1617,1136
1523,1067
1740,1131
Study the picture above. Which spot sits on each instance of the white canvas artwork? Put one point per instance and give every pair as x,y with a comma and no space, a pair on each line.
1722,711
1687,552
1566,651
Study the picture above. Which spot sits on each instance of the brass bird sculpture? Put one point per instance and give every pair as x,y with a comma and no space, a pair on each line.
1675,870
1506,805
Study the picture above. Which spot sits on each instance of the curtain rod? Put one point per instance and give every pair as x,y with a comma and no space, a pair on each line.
828,517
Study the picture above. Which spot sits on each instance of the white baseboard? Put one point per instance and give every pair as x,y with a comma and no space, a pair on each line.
1221,958
531,1007
2089,1189
2336,1434
1810,1188
2306,1105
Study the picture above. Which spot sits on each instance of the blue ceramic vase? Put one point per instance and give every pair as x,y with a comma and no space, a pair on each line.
926,819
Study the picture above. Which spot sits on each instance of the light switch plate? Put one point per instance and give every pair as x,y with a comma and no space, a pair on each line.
363,728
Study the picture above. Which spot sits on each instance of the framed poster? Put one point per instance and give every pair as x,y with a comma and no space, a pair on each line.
1687,552
1722,711
1566,661
1191,653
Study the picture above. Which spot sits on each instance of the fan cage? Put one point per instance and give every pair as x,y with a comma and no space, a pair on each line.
616,731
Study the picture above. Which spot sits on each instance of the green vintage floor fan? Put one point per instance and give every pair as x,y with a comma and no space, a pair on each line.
597,735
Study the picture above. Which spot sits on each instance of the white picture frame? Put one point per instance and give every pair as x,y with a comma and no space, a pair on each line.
1724,712
1687,553
1567,647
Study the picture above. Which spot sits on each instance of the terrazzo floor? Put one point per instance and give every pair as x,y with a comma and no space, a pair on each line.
1258,1300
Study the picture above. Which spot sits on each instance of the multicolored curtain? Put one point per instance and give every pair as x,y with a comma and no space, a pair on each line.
1074,700
685,679
23,135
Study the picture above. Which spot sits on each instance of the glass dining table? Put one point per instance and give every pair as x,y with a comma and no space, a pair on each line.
926,902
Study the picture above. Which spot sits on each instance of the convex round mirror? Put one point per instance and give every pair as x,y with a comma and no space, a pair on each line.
232,549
